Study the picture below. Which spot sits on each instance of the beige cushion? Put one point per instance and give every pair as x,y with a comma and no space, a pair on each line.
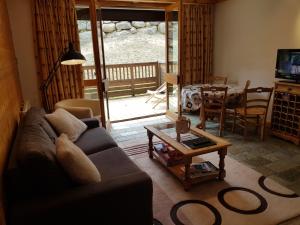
76,164
65,122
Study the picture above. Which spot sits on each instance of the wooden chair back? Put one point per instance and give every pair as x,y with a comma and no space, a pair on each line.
217,80
213,98
260,98
247,85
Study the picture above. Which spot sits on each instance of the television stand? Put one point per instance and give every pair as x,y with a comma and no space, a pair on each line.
286,112
290,81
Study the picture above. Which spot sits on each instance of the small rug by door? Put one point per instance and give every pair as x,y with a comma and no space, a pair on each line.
245,197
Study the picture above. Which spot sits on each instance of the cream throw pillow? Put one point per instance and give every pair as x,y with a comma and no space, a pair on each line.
65,122
76,164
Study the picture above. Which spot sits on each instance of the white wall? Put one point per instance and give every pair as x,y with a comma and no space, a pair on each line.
248,34
21,25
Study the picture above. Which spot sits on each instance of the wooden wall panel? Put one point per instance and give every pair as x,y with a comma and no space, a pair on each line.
10,94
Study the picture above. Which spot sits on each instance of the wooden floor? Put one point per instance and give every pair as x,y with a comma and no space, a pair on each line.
132,107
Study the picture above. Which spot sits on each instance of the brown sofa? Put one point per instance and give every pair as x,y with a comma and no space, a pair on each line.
39,192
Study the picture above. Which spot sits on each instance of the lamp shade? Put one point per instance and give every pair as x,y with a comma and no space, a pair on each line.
71,57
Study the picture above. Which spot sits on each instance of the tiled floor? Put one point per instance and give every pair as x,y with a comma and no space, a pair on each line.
273,157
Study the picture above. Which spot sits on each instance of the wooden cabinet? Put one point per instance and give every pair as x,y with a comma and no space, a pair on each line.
286,112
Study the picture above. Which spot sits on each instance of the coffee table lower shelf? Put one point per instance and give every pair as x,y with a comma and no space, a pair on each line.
183,176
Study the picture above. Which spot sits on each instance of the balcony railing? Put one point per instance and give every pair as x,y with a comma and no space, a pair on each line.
127,79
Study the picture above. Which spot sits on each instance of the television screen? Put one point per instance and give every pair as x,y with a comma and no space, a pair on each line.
288,64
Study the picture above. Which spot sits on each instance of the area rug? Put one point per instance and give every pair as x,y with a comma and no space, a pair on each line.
161,207
245,197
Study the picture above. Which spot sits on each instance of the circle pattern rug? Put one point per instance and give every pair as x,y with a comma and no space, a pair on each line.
263,184
215,213
262,206
277,210
156,222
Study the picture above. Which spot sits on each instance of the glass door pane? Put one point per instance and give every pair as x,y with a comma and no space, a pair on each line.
102,61
171,77
91,42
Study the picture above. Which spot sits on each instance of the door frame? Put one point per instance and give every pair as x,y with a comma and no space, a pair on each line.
171,78
97,58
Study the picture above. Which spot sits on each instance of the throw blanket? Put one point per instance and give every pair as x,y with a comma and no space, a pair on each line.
191,96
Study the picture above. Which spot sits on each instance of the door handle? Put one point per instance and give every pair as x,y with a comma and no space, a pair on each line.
105,85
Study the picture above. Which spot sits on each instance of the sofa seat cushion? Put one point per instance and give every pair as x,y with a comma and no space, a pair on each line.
95,140
113,163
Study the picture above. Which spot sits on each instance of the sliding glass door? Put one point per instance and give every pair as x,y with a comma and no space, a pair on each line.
104,79
172,62
95,74
91,41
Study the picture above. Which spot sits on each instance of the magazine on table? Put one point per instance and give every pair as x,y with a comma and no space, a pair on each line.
198,142
169,154
201,168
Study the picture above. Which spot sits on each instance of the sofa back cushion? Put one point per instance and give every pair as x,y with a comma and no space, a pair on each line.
37,170
37,116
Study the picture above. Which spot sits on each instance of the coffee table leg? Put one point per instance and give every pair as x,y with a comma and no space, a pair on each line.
222,154
150,148
187,183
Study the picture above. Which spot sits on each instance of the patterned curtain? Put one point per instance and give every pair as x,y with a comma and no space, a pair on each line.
197,42
55,25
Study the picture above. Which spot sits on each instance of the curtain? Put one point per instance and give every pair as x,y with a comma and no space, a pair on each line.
197,43
55,25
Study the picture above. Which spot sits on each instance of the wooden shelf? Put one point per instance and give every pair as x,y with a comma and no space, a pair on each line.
286,112
177,171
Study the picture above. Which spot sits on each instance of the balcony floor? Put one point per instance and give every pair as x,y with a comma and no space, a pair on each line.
132,107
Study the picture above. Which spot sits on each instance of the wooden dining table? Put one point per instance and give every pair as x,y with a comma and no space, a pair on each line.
191,96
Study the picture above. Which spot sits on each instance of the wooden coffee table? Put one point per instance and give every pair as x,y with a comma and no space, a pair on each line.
220,147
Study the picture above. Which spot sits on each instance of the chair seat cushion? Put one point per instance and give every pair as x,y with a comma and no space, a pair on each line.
251,111
95,140
113,163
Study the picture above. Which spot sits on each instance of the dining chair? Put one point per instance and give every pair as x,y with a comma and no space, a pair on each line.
217,80
231,106
213,105
254,110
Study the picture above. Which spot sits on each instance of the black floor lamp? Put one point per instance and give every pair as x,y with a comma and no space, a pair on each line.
68,57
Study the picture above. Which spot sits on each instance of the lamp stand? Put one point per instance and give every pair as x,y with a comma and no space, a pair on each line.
68,57
44,86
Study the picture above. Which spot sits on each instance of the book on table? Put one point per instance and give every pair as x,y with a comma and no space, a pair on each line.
168,154
198,142
201,169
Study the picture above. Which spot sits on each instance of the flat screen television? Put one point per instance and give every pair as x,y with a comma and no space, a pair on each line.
288,64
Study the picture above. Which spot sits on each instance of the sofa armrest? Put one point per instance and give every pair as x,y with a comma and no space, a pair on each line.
91,122
125,200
